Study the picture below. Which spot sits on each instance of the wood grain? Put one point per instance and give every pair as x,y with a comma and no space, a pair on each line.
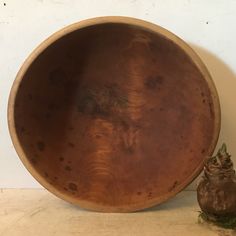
114,114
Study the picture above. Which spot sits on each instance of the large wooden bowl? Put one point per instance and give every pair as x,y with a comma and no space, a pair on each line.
114,114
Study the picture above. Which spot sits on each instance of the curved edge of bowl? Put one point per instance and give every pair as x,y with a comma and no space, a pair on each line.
101,20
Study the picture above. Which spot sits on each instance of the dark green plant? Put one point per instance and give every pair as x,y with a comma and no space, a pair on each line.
227,222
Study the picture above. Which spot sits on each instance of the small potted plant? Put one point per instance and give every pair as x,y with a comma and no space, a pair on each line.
216,191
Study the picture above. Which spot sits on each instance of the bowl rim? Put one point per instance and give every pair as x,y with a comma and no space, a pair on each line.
92,22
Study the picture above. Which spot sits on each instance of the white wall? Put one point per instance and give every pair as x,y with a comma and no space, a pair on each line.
208,26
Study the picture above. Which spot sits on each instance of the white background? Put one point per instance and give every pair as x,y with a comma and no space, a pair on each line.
209,26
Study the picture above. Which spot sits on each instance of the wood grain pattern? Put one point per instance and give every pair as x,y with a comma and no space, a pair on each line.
114,116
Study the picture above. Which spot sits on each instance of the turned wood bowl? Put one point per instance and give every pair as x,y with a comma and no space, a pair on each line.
114,114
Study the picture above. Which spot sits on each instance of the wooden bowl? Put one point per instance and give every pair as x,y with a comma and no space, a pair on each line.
114,114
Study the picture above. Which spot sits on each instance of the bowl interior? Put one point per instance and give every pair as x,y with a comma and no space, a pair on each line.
114,115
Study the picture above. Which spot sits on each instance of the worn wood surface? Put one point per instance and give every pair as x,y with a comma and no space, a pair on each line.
114,114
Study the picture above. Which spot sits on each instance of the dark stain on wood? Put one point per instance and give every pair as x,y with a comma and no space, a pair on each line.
68,168
41,146
72,186
154,82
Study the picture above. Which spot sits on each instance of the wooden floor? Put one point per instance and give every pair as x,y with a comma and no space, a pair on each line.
37,212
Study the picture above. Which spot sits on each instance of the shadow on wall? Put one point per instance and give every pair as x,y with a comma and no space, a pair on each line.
225,81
